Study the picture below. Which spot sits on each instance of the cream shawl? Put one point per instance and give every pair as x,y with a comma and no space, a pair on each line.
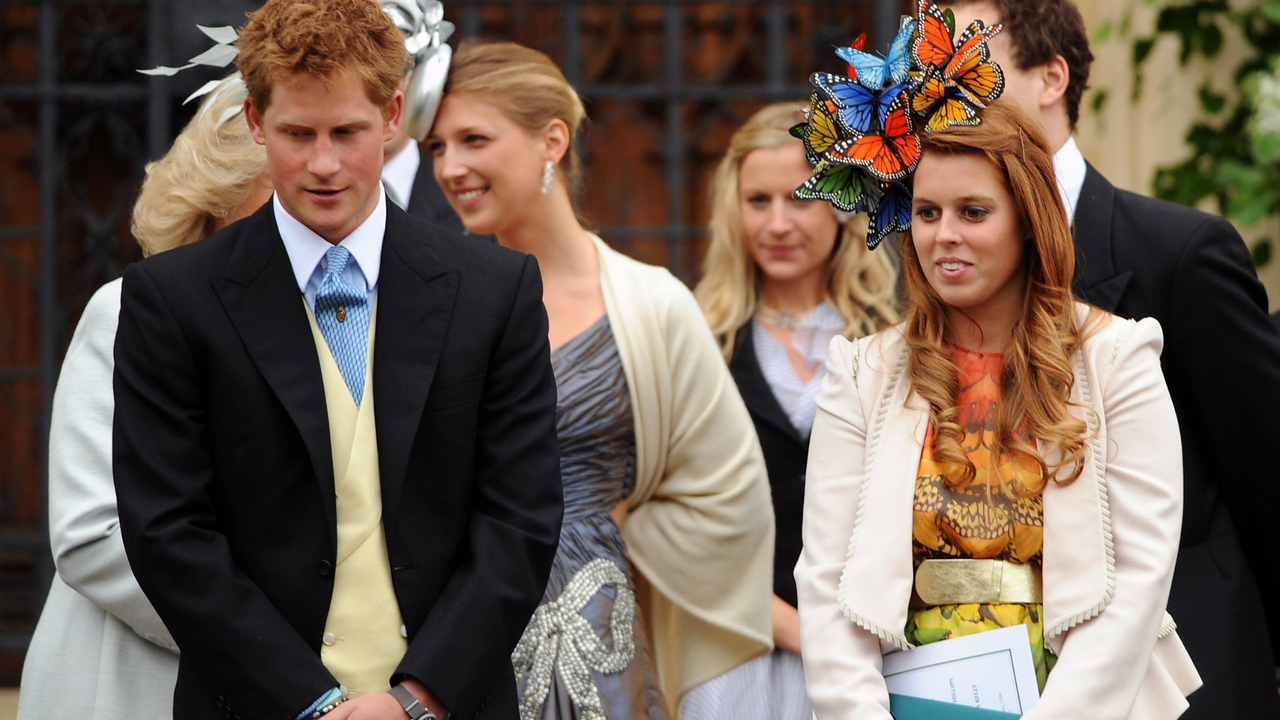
700,524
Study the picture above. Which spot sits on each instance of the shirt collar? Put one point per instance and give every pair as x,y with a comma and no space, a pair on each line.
306,248
1070,167
399,172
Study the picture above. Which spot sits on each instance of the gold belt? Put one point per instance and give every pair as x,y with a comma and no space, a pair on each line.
955,582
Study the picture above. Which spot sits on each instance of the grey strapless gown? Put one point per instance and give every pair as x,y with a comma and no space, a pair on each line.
584,653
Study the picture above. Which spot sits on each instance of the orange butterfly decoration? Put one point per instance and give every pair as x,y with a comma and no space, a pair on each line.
957,77
890,155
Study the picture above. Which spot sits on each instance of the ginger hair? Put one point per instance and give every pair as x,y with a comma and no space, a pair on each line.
1035,385
859,283
322,39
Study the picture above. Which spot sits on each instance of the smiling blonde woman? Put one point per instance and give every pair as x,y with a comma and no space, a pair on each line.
660,589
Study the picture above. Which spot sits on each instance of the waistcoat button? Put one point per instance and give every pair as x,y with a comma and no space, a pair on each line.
329,639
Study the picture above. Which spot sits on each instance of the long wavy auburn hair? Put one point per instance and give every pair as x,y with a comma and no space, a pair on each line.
1035,385
859,283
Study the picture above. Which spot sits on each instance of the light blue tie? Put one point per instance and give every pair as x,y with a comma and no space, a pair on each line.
342,312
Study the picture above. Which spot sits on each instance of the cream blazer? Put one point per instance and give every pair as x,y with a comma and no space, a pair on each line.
1110,537
699,528
100,651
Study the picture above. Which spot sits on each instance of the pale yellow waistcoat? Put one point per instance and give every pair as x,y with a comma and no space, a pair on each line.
364,635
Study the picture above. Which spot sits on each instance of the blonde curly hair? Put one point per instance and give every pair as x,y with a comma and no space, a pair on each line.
211,170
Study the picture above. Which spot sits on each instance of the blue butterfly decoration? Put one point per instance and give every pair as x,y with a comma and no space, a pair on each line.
864,99
874,71
891,214
861,109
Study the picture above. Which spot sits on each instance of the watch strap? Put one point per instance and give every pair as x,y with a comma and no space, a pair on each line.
412,707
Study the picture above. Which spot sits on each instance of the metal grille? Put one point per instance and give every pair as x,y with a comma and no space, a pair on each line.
665,83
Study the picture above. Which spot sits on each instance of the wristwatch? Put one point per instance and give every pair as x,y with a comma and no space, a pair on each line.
411,706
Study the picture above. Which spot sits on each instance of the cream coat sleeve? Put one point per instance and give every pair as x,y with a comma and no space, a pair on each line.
84,527
842,661
1104,659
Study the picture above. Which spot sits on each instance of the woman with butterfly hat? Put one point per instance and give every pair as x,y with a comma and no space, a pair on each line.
1004,457
781,277
662,580
100,651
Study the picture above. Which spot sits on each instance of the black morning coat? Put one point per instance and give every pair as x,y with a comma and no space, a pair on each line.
427,201
225,476
1138,257
786,454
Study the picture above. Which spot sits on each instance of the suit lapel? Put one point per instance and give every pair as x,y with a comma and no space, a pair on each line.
416,294
261,297
1095,278
744,365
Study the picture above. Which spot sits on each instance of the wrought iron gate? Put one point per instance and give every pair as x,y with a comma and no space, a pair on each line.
665,82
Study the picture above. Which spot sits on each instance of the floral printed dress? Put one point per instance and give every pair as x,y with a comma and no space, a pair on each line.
978,520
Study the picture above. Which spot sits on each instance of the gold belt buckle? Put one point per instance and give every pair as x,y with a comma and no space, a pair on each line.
960,581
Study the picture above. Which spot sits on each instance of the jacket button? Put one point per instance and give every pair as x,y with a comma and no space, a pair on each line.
222,701
326,567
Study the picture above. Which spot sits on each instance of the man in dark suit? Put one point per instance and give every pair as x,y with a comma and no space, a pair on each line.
1138,257
335,445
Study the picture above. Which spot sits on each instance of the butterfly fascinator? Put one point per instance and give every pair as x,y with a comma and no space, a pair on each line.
861,134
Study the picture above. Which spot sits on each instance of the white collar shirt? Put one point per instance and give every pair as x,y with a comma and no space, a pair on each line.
1070,167
307,251
811,338
399,172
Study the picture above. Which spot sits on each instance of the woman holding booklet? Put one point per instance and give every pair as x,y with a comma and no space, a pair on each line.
1005,456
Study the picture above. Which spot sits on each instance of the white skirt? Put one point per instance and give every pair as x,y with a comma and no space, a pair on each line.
771,687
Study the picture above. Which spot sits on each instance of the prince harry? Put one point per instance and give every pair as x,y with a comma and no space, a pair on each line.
335,447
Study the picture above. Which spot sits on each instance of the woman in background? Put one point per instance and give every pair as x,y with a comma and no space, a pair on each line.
780,279
1005,457
100,651
662,472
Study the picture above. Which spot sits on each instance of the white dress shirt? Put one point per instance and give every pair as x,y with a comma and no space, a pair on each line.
307,251
1069,166
399,172
811,339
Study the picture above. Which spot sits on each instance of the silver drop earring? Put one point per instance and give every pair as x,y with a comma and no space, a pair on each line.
548,176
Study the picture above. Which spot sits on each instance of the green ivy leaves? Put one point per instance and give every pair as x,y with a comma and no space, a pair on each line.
1235,158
